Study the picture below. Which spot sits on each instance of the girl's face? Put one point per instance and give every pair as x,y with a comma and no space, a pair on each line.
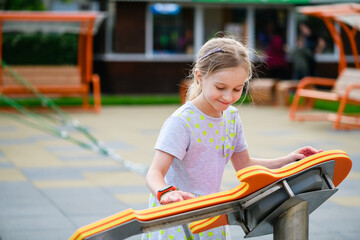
220,90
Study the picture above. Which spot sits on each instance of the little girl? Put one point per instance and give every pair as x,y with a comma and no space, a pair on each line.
199,138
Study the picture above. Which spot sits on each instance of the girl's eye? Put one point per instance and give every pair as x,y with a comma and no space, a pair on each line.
220,88
237,90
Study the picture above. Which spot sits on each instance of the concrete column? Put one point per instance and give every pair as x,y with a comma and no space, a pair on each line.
198,28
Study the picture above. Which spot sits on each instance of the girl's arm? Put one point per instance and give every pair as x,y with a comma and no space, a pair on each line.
242,159
155,179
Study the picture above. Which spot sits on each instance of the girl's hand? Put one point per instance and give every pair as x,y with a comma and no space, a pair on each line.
302,153
175,196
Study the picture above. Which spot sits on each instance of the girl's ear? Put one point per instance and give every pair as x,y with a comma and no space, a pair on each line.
198,77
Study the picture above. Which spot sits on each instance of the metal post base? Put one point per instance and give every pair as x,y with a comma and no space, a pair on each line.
293,224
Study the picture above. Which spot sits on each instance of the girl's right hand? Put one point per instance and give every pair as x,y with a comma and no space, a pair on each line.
175,196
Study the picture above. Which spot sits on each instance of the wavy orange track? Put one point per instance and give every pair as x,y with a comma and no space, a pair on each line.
257,176
251,178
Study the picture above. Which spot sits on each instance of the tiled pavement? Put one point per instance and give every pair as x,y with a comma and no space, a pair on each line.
49,187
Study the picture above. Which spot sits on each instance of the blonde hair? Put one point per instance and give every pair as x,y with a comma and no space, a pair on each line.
217,54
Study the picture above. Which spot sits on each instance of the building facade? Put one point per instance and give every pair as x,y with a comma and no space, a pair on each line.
149,46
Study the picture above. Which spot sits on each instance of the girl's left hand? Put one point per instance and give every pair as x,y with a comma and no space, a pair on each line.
302,153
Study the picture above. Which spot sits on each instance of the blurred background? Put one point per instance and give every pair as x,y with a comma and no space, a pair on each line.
143,51
148,46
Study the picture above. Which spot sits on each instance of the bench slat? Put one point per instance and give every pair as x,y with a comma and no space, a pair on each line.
318,94
61,76
48,89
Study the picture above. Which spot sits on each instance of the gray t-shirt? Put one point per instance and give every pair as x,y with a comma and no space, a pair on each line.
201,146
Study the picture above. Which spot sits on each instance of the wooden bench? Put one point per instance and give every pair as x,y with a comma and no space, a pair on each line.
262,91
53,81
345,90
283,90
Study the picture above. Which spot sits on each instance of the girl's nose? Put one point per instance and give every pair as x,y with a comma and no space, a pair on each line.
227,96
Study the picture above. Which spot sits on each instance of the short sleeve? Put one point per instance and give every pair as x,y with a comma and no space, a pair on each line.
241,144
174,138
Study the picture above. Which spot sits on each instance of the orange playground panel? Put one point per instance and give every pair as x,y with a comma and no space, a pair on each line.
252,179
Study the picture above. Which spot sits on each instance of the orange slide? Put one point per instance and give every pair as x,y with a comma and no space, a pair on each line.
252,179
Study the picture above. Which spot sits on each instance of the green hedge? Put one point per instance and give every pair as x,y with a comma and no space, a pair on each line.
106,100
332,106
40,49
24,5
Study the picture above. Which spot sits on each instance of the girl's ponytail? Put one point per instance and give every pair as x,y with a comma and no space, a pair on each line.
193,91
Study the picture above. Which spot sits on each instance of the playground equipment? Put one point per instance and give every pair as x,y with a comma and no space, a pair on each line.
55,80
347,15
346,89
40,81
266,201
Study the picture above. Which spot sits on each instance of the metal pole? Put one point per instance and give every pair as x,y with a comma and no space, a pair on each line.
293,224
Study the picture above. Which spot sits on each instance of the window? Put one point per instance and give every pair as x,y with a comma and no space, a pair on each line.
173,30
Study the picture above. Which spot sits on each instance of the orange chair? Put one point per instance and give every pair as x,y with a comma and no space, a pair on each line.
345,90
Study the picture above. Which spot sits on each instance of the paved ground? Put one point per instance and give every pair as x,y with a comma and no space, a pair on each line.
49,187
